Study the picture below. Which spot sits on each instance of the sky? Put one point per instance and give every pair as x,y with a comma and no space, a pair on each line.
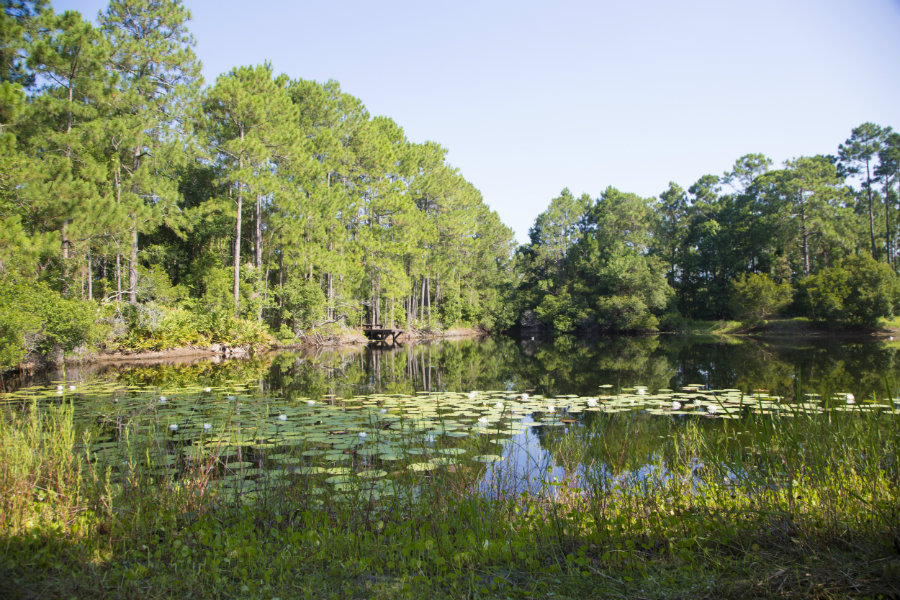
530,97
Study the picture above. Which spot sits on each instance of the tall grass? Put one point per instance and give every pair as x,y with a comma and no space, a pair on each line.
734,505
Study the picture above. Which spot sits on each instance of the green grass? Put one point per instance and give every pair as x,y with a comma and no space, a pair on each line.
791,507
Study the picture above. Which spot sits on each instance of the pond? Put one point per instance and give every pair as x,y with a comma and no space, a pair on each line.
519,414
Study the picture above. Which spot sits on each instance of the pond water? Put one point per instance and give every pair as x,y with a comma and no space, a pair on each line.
361,418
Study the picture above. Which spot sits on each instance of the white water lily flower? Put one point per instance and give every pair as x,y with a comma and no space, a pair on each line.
482,420
363,434
207,426
592,402
59,392
498,405
282,417
310,402
207,389
429,438
162,399
524,396
712,409
231,397
173,426
550,408
72,387
641,391
676,405
851,399
472,395
383,411
59,387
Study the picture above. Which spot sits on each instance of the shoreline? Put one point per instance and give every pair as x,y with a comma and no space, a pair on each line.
312,341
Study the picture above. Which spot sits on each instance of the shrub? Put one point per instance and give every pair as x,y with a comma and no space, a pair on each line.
857,292
35,318
755,297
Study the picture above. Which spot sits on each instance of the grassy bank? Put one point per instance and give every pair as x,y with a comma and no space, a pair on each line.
798,506
797,326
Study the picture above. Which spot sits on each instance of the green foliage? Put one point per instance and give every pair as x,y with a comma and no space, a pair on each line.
857,292
301,303
755,297
34,318
155,326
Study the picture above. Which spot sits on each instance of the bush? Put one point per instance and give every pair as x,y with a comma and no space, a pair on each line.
857,292
302,303
35,318
755,297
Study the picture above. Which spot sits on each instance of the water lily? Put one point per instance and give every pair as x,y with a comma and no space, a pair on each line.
851,399
383,411
162,399
282,417
482,420
551,408
592,402
72,387
207,389
59,387
498,405
310,402
712,409
641,391
231,397
524,396
363,434
174,426
676,405
472,395
207,426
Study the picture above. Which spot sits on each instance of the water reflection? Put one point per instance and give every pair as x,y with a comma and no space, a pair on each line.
563,366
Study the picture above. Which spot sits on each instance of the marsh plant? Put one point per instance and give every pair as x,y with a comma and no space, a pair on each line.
213,491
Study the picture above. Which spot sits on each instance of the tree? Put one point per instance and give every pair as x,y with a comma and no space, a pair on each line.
158,75
807,203
857,153
251,127
63,129
888,170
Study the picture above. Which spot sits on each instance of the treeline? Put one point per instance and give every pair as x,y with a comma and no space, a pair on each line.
818,237
178,213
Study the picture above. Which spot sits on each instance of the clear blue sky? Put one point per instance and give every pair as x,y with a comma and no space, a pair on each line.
533,96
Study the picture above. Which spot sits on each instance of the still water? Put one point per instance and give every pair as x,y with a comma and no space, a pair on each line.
358,418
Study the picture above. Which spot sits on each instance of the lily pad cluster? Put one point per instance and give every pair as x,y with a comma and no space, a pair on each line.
362,443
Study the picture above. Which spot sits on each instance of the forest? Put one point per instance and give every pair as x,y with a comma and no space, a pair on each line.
144,209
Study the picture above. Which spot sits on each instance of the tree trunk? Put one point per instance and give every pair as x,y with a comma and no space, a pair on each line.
237,252
90,274
804,235
258,233
132,264
237,236
871,211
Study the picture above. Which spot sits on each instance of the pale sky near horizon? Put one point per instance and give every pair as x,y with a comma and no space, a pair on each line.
530,97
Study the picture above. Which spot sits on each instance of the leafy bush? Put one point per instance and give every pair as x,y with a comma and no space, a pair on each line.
35,318
154,326
302,303
857,292
755,297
